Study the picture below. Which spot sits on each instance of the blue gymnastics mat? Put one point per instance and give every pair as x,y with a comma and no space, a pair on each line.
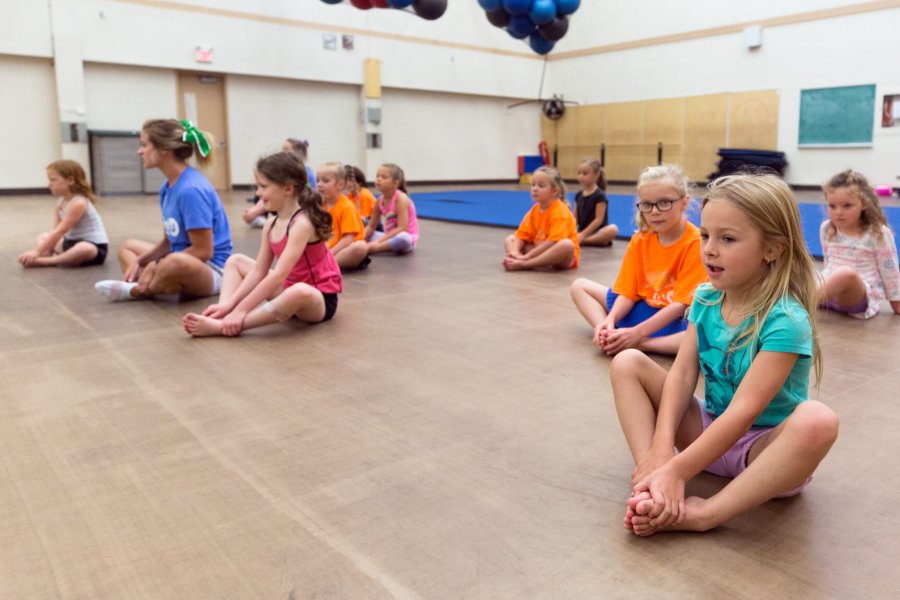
506,209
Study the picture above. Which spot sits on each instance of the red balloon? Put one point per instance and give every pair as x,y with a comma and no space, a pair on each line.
380,4
362,4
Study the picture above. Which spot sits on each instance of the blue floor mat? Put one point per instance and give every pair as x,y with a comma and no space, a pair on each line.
506,208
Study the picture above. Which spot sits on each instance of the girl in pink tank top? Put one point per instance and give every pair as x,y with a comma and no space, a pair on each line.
401,229
305,281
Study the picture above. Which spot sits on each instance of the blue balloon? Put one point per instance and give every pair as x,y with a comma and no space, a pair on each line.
542,11
489,5
332,1
517,7
567,7
540,44
399,3
520,26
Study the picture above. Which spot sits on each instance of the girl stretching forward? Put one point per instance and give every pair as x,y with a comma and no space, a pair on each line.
859,249
401,228
78,238
753,335
546,238
660,270
306,279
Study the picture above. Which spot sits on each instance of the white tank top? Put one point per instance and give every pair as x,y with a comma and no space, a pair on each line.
89,227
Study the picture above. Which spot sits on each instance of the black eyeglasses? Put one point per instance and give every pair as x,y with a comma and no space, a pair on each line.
661,205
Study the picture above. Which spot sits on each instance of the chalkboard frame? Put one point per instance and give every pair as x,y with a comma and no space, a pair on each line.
825,118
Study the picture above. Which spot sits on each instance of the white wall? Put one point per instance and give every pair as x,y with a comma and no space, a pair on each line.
25,29
121,98
439,137
31,129
858,49
262,112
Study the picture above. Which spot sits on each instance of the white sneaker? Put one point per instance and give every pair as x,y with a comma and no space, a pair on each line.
116,290
258,222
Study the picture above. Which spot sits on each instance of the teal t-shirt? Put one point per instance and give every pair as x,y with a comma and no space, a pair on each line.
786,329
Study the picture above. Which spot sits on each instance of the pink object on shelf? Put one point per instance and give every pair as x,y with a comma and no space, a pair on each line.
883,190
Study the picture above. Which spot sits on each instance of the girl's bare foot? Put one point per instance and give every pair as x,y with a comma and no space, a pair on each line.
631,510
200,326
694,519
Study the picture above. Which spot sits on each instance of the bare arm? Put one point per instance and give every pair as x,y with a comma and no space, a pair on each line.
342,243
76,209
201,246
373,222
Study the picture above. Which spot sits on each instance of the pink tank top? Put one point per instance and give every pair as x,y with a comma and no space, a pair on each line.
315,267
390,216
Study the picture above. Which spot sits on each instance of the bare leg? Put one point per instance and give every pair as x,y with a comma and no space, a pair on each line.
351,256
844,287
667,344
558,256
779,462
590,300
602,237
182,274
300,300
130,250
236,268
80,253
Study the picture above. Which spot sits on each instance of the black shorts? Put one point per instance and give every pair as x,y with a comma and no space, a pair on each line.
330,305
102,249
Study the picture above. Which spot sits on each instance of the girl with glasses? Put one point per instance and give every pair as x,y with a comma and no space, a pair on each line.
645,307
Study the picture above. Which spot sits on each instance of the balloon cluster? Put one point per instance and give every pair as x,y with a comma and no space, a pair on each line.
543,22
427,9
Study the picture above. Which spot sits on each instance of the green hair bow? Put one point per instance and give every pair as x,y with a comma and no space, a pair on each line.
192,135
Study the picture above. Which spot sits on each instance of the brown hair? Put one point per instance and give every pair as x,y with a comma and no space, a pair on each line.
168,134
597,168
398,176
299,147
872,217
286,168
71,169
356,174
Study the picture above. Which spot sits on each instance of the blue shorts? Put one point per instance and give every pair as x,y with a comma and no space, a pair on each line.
643,311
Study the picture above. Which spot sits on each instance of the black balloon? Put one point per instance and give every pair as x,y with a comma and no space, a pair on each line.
555,29
498,18
430,9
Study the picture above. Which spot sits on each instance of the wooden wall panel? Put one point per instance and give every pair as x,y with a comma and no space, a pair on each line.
753,120
704,133
664,122
623,136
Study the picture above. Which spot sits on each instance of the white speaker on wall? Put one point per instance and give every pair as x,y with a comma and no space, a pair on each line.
753,37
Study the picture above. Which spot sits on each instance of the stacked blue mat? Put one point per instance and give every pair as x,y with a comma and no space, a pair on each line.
506,209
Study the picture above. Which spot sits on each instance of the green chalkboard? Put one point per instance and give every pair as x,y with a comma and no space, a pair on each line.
837,116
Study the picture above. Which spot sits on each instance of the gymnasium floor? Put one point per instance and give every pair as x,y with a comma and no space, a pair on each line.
451,434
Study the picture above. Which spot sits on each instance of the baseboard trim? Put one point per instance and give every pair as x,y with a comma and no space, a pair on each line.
24,191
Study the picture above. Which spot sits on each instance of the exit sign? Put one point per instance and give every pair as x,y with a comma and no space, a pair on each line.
203,54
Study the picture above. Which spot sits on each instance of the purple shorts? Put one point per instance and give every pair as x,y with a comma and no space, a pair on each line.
734,461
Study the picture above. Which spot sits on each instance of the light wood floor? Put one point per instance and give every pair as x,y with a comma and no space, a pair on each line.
451,434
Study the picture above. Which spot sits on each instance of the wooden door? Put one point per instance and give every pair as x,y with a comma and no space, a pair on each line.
201,99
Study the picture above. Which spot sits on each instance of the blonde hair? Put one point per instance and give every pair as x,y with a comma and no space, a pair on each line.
597,168
556,180
168,134
336,168
667,174
872,217
69,169
771,208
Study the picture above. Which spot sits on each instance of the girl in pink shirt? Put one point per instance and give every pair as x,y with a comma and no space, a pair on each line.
401,228
859,250
305,281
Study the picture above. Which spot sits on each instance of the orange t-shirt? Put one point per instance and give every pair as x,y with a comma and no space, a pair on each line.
344,220
364,202
554,224
660,275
